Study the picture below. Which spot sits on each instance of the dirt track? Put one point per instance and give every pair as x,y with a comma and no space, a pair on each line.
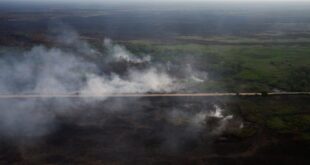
75,95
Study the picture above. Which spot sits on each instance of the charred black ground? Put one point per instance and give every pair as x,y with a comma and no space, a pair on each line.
142,131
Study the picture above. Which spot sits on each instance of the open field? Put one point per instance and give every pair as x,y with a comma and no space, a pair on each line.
239,68
232,68
154,85
241,52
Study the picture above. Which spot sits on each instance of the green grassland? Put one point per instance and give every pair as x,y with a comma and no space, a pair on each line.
231,64
241,68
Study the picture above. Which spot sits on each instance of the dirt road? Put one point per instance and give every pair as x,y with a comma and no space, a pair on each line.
76,95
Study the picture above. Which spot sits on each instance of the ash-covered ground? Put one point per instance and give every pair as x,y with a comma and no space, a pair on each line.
159,130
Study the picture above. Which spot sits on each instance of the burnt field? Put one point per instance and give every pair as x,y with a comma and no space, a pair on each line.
159,130
65,69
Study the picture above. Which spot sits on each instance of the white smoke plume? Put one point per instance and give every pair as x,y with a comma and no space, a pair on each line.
198,121
52,70
196,124
150,80
71,69
195,75
119,53
66,70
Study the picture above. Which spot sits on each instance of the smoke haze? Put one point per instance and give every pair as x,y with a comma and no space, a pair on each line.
68,70
53,70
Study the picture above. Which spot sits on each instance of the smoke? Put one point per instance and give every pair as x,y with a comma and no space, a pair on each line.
199,123
25,118
75,67
53,70
119,54
150,80
67,69
199,119
195,75
187,71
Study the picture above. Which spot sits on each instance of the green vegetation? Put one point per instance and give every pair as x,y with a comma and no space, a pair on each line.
238,67
277,115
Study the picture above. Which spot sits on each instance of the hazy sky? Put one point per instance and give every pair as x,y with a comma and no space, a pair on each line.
85,1
270,4
266,4
294,2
